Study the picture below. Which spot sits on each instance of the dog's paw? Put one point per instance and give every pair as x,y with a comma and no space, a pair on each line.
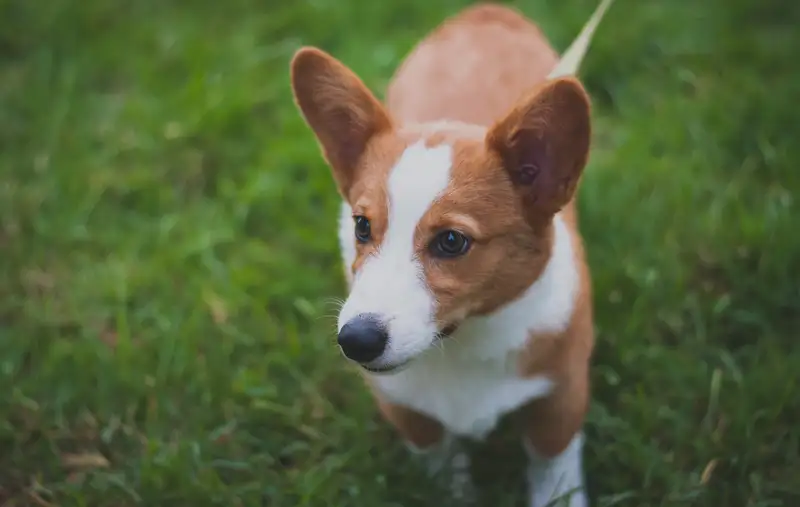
459,478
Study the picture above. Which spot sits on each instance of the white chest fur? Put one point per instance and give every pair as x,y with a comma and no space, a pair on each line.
471,380
466,394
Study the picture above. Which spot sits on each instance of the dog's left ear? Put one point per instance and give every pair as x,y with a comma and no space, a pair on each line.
544,145
339,108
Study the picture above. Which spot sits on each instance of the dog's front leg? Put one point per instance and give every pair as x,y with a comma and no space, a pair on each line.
554,444
557,481
444,456
449,461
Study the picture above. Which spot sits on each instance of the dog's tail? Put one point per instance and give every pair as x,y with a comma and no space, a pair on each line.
571,59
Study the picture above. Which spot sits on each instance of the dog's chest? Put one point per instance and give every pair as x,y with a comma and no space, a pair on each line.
467,395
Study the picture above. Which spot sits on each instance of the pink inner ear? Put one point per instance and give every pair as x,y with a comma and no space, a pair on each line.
543,144
526,158
526,175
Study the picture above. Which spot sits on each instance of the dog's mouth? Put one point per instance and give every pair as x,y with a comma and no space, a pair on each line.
385,370
394,368
447,331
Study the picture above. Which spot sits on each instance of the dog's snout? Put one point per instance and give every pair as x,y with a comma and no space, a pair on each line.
363,338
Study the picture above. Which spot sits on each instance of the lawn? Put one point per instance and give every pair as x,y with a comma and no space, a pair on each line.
169,266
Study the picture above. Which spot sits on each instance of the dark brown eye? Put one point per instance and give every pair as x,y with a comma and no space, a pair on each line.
362,229
450,244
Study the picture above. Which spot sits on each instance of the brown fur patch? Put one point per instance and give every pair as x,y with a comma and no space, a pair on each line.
416,428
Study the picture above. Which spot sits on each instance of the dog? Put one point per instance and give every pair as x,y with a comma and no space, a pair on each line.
469,293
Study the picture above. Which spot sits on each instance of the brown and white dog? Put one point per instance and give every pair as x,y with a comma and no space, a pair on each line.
470,296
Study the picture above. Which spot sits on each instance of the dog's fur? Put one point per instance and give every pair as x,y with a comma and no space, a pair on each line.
473,138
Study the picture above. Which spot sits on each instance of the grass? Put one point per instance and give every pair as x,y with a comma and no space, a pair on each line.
168,257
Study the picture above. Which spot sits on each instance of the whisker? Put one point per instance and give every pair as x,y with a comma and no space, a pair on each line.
336,302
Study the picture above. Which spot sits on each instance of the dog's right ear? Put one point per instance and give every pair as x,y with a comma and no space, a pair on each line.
339,108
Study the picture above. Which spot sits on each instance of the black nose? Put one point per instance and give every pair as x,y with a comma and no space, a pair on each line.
363,338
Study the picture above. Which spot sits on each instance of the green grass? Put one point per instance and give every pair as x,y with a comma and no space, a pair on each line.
168,256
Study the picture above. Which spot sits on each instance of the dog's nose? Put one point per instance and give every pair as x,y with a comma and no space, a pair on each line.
363,338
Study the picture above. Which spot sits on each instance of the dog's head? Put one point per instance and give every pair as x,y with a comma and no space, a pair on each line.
448,221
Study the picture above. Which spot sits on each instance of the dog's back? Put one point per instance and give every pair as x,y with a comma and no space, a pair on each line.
473,68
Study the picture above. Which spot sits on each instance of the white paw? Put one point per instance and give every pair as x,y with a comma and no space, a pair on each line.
557,481
459,479
449,463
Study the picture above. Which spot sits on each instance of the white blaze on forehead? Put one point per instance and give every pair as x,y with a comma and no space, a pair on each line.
420,176
391,283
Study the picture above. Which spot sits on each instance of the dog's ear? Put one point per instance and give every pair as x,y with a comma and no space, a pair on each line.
339,108
543,143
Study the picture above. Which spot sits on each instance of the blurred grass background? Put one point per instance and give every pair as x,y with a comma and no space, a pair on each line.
168,256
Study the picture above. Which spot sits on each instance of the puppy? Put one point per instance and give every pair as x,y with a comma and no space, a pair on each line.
470,297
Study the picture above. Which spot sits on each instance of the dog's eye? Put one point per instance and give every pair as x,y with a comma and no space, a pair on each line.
362,229
450,244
